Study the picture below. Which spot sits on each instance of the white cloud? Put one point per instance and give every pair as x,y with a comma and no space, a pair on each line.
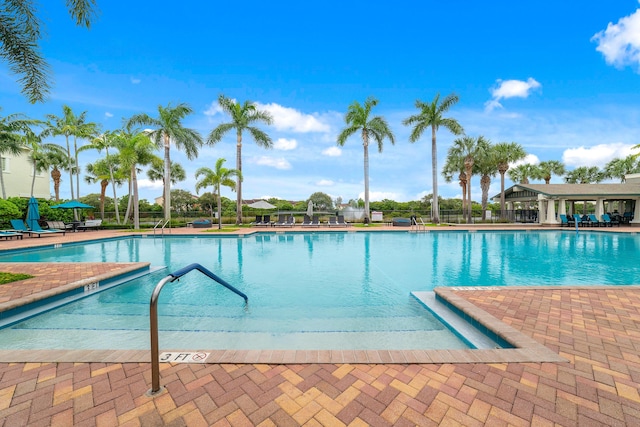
325,183
620,43
213,109
332,152
108,114
135,81
376,196
285,144
146,183
598,155
278,163
530,159
510,89
285,118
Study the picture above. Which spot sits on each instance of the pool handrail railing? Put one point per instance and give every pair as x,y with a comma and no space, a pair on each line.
153,316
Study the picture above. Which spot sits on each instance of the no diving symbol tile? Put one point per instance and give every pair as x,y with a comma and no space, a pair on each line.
183,357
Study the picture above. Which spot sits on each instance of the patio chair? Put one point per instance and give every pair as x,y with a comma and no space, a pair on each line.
306,221
333,221
10,235
258,220
291,221
594,222
315,221
564,220
343,223
578,220
282,221
608,222
19,225
35,227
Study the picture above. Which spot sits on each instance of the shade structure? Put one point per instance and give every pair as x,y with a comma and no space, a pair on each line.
33,213
72,204
310,209
261,204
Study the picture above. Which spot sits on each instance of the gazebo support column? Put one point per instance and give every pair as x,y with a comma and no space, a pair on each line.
562,207
635,222
599,208
551,213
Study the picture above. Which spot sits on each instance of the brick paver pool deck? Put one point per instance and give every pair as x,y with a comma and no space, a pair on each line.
591,334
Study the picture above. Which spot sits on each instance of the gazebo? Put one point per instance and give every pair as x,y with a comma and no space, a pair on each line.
552,199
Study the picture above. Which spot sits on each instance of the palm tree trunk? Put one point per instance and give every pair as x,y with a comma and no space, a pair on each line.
167,177
219,207
128,211
435,214
365,144
463,185
469,170
75,154
103,190
136,207
33,178
55,176
4,193
239,181
113,184
485,183
502,202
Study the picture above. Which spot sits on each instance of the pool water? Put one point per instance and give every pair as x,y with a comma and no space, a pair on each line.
311,290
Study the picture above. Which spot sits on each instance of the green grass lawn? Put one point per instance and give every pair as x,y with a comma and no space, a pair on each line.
12,277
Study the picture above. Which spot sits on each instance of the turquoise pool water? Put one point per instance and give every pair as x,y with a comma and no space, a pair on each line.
313,290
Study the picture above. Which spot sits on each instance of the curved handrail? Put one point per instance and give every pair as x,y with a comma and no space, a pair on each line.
153,316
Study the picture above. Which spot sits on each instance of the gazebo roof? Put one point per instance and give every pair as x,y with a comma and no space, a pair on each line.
528,192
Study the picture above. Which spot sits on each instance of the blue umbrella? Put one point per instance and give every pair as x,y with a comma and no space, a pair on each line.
33,214
72,204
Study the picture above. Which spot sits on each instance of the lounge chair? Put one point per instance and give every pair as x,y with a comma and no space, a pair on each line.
593,221
282,221
266,221
608,222
564,220
342,222
59,225
333,221
18,225
258,220
10,235
291,221
578,220
94,224
315,222
306,221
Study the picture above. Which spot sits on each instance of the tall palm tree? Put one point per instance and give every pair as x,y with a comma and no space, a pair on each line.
39,152
243,118
505,153
218,177
12,128
357,120
56,159
21,32
135,149
454,164
468,148
70,124
101,142
522,173
620,168
156,172
168,127
431,116
485,166
99,172
548,168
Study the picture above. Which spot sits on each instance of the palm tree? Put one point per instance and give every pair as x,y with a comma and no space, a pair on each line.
584,175
156,172
11,142
71,125
619,168
454,164
135,149
218,177
431,115
21,32
485,166
243,116
357,120
99,171
101,142
468,148
56,159
505,153
168,128
522,172
548,168
39,152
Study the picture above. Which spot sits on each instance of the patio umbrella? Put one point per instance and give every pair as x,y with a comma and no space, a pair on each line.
33,213
261,204
310,209
72,204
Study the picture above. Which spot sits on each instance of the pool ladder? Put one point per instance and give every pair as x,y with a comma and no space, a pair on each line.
418,226
163,226
153,317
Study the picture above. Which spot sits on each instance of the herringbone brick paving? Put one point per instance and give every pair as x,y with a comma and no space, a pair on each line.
597,330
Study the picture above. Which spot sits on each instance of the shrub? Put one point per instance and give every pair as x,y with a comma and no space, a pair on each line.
8,210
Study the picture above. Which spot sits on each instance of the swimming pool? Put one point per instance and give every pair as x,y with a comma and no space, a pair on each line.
312,290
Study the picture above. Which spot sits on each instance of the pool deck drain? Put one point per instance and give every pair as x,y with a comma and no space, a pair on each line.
595,330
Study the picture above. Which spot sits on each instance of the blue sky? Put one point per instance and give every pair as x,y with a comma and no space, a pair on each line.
560,78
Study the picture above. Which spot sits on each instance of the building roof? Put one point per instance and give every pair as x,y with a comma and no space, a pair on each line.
528,192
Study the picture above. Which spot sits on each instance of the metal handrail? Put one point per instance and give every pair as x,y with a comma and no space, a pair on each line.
418,226
153,316
163,226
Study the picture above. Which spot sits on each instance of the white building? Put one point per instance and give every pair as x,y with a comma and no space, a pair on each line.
17,173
